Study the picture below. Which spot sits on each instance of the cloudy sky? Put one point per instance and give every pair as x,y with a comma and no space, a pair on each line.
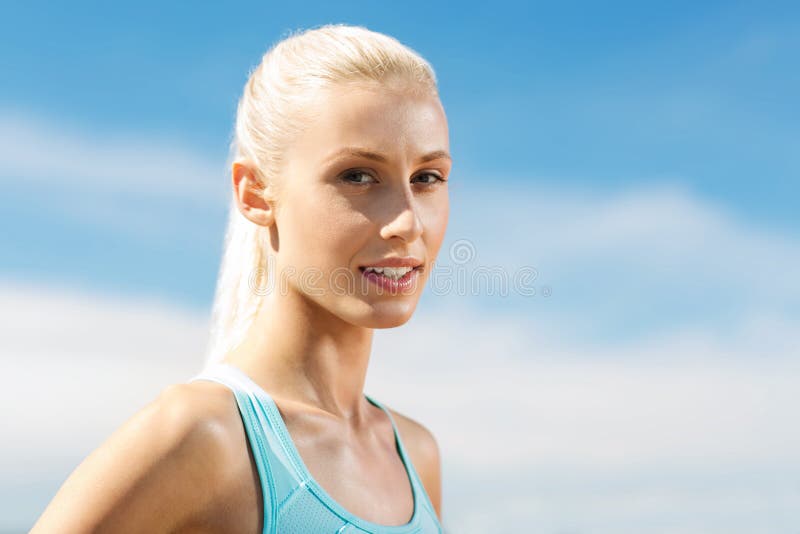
641,162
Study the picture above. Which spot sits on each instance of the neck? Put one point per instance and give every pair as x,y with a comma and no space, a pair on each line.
298,351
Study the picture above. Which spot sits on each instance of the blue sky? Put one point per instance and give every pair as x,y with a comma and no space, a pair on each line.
596,93
645,159
593,95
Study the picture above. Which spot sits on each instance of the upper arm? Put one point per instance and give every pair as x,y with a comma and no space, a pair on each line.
425,455
153,474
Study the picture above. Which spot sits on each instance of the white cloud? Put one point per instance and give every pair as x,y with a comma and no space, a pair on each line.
680,433
55,155
533,429
650,257
660,225
667,398
685,427
135,185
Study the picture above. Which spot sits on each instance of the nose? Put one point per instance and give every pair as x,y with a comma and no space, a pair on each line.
405,222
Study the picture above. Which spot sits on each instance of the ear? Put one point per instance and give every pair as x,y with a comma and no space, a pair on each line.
250,194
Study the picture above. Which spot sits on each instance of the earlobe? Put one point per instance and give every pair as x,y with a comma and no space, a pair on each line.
249,193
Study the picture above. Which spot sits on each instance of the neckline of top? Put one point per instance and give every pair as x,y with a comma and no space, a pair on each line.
291,449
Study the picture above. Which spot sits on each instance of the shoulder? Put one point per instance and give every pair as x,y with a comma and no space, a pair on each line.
213,436
418,438
165,468
423,449
202,416
202,412
190,422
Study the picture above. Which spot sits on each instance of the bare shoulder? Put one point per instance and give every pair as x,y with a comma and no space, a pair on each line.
206,407
415,435
167,468
423,449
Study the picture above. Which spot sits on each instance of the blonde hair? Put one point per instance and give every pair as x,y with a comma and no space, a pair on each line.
269,115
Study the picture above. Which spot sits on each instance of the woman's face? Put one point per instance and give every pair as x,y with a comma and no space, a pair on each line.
340,210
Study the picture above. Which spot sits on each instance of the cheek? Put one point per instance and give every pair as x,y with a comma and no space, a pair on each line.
435,222
324,228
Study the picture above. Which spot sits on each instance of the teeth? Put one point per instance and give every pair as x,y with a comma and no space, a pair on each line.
391,272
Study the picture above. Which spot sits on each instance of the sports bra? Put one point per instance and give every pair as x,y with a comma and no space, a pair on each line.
293,501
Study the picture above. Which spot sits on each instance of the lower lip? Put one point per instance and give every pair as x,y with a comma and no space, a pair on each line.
390,284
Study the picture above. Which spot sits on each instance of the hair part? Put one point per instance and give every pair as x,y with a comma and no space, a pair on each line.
272,111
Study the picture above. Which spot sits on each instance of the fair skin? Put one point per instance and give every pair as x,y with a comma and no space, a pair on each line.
309,345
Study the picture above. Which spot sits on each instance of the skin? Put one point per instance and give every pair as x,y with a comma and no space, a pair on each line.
309,345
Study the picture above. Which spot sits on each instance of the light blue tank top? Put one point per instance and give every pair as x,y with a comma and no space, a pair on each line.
293,501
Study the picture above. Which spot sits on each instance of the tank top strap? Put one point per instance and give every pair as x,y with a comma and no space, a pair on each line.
278,479
420,488
290,495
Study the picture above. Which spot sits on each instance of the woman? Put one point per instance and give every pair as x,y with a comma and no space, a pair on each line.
339,208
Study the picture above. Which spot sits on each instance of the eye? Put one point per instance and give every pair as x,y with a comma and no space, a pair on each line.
345,177
360,178
435,178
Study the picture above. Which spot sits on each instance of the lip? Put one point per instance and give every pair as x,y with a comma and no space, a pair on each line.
405,261
405,283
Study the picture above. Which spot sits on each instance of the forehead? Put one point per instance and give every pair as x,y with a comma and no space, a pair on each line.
388,120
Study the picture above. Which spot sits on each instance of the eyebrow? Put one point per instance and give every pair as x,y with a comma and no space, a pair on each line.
376,156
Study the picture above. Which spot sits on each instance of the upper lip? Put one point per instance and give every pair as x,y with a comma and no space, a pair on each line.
396,261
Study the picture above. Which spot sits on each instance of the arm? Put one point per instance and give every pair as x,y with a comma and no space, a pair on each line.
155,473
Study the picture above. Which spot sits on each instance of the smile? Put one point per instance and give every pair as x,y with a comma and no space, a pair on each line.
391,278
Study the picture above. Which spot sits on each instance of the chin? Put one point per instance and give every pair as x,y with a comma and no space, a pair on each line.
390,322
385,315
